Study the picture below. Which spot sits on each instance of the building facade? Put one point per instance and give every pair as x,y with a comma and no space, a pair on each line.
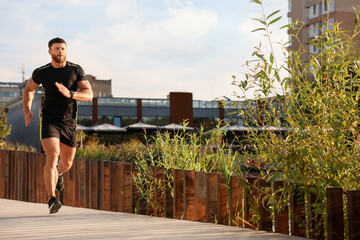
317,15
9,91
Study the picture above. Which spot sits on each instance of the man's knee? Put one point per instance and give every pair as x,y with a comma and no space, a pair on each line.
67,163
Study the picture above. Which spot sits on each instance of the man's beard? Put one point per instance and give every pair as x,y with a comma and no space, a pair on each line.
59,60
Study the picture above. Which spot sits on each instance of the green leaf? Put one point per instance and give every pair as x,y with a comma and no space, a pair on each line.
272,14
271,58
275,20
259,20
256,1
258,29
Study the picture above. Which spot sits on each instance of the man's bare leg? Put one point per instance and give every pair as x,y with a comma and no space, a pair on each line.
67,155
52,151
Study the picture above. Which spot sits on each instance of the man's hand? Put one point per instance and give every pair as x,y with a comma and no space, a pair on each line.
28,116
64,91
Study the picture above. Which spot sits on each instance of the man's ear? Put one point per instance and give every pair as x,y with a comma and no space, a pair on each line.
49,52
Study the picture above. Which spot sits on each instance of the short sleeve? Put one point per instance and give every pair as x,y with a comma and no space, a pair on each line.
35,76
80,74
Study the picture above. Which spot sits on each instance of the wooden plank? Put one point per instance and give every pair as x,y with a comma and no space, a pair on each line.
113,186
168,198
159,193
44,194
212,199
2,174
353,204
315,228
178,193
36,177
7,173
236,203
335,213
223,201
71,185
25,180
265,221
106,185
12,175
281,219
128,188
250,202
100,183
151,193
297,212
77,182
87,176
201,193
189,195
93,183
66,191
120,186
81,180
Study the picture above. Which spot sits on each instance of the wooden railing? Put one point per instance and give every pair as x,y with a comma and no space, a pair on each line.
196,196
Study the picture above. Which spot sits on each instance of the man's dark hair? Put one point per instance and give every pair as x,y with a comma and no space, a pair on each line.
56,40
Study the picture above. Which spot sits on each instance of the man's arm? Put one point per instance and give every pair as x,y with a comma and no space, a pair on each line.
27,100
85,93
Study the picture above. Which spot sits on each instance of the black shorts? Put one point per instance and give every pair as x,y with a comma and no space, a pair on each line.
66,134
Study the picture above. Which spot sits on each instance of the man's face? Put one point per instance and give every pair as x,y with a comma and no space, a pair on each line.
58,52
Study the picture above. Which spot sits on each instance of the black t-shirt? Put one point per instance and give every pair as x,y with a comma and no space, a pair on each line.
57,107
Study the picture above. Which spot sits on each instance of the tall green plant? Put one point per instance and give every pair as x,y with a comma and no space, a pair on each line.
317,102
5,130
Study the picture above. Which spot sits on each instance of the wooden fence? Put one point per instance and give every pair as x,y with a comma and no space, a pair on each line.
196,196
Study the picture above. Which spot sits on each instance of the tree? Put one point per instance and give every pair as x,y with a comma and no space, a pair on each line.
5,130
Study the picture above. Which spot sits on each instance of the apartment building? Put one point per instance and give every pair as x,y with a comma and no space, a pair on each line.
9,91
318,14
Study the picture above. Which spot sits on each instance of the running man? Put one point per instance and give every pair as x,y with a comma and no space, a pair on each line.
60,80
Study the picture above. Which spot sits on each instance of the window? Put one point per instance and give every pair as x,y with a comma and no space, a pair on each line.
314,49
314,30
289,2
313,11
327,6
329,25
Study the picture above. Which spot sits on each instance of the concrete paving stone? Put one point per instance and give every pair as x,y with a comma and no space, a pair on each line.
24,220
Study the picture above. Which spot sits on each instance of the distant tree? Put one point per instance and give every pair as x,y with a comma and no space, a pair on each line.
5,130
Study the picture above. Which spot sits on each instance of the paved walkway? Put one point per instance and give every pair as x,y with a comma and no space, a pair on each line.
23,220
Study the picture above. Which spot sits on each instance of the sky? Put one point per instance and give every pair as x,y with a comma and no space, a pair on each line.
148,48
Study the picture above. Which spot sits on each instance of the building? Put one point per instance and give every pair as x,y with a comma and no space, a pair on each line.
317,14
176,108
9,91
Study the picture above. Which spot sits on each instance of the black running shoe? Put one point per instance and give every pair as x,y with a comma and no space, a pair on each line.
60,183
54,205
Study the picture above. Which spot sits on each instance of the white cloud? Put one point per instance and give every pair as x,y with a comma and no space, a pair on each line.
180,34
122,9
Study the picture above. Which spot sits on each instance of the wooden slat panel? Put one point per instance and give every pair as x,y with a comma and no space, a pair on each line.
100,184
236,212
159,196
189,195
120,186
250,202
353,204
94,183
128,188
178,193
81,182
201,195
113,186
335,216
212,199
169,200
297,213
281,220
2,174
71,184
265,222
88,187
44,194
223,200
106,185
